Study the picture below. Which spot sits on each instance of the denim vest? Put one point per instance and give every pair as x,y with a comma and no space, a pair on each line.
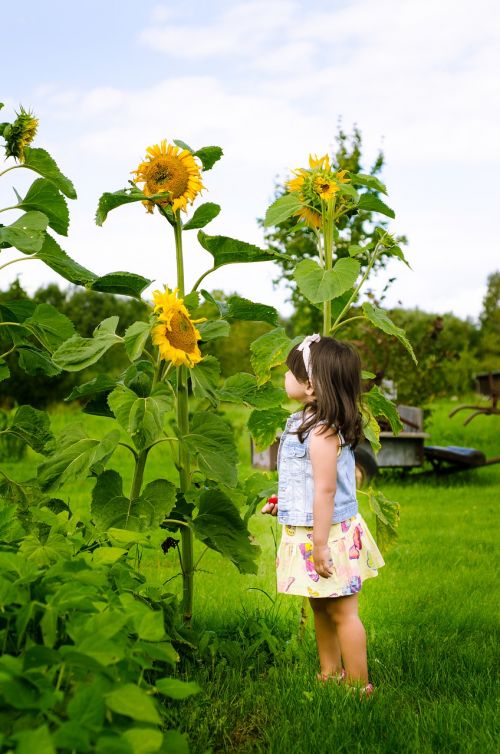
296,484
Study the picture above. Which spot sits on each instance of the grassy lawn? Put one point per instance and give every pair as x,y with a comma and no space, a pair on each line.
430,616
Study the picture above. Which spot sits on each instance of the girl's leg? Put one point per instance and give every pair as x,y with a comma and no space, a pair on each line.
343,612
326,637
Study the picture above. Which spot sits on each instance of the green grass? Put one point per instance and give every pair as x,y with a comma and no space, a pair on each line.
430,617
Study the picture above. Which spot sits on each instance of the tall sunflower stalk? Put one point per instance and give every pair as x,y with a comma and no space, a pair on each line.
166,182
174,172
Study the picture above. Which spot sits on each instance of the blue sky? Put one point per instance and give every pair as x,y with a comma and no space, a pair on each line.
268,81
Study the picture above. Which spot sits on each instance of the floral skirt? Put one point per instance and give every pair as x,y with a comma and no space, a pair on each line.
353,550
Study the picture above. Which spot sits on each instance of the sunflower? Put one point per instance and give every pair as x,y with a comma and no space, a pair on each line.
168,168
325,187
315,185
20,134
175,334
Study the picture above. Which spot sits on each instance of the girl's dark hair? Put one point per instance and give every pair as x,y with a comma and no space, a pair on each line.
336,379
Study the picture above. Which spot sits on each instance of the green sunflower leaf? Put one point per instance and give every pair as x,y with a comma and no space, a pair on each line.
57,259
270,350
41,162
204,214
381,319
75,457
33,361
360,179
205,379
133,702
142,418
135,338
243,309
49,326
176,689
371,203
112,200
209,156
265,424
26,233
243,388
379,405
32,426
282,209
45,197
371,428
192,301
320,285
122,283
227,250
219,525
100,384
215,328
387,517
211,443
4,370
77,353
183,145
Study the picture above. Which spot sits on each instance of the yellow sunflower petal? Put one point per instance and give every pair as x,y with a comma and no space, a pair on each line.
321,163
309,216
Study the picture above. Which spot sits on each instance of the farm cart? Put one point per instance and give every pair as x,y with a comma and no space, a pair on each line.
408,450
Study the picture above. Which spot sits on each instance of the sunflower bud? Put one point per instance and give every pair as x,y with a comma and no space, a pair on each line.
19,134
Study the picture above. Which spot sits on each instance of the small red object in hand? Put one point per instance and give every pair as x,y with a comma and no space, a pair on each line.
271,506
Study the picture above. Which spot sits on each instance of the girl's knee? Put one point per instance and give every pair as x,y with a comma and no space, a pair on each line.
341,609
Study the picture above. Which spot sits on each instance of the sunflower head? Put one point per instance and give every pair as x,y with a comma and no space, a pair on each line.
169,169
325,187
315,186
175,333
20,134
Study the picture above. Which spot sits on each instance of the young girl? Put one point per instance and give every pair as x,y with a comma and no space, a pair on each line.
326,550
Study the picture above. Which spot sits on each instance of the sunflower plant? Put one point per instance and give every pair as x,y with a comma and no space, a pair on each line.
79,621
171,392
319,196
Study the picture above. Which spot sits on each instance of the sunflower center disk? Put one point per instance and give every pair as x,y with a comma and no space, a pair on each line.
167,174
182,333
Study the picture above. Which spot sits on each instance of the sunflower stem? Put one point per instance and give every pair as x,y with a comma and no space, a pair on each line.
178,253
13,167
187,539
140,464
19,259
328,225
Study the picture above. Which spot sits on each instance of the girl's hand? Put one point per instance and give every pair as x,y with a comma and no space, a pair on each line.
271,506
323,564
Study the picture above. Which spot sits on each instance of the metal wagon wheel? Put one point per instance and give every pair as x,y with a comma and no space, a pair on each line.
366,467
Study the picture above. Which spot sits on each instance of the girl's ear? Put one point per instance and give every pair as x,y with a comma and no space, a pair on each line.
309,388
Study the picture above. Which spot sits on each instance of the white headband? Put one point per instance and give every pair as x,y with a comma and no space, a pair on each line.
305,347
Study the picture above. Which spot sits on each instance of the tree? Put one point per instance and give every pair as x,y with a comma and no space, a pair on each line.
355,228
489,344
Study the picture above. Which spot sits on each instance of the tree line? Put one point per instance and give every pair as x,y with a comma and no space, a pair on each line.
450,350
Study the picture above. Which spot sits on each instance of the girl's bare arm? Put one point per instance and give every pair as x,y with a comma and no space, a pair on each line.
323,450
